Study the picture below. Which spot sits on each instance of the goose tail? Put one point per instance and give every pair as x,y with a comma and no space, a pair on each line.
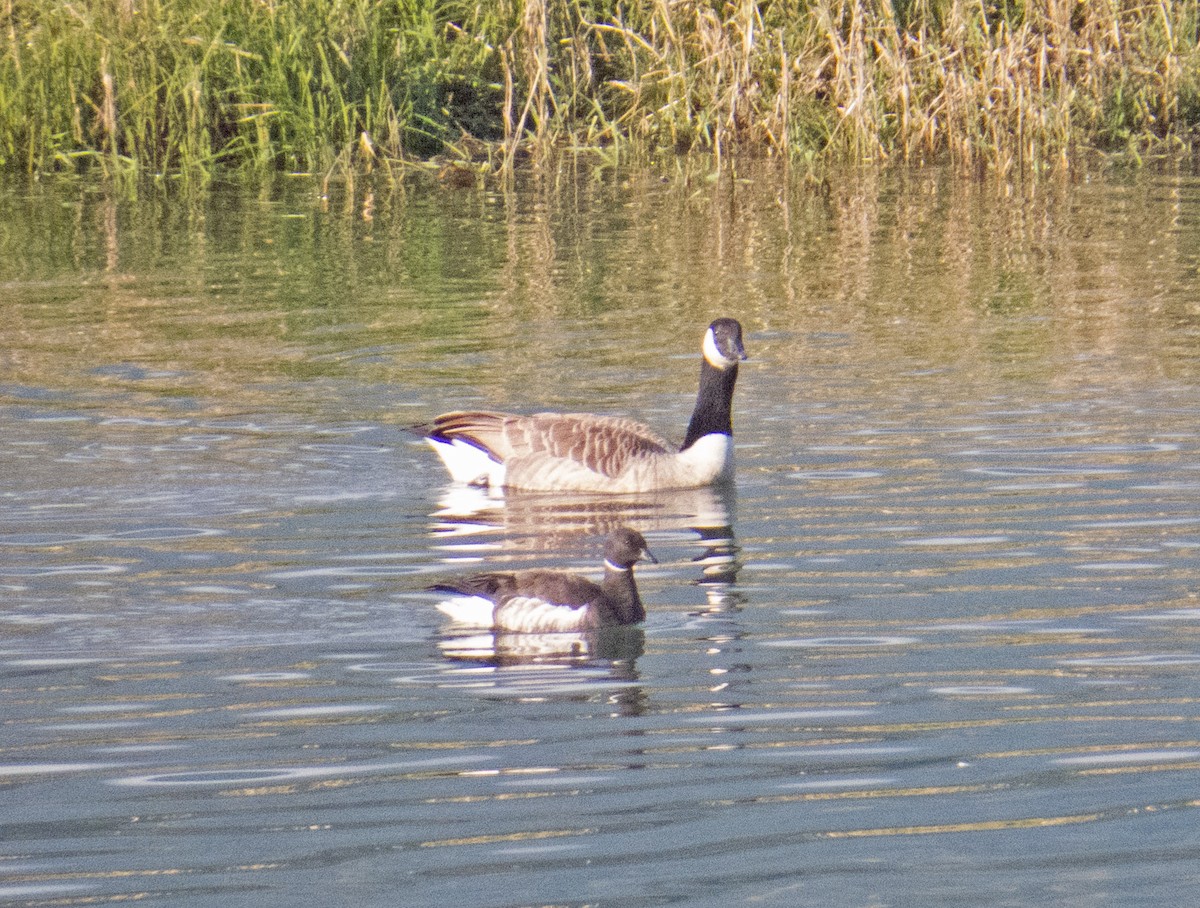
473,611
469,445
468,463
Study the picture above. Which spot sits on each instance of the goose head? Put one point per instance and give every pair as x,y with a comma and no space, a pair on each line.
723,343
625,548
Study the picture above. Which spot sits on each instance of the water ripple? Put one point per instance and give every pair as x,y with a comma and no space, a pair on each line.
61,570
148,534
250,776
950,541
841,642
1137,661
12,770
864,782
739,716
1129,756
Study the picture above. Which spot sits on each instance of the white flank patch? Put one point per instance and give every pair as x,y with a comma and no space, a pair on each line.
474,611
467,463
529,615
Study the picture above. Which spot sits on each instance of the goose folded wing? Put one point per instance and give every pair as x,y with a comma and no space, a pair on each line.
552,587
603,444
493,585
556,588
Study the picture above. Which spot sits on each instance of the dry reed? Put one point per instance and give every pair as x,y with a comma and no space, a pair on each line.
193,86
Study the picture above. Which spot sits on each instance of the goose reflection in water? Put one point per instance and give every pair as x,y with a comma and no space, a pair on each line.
585,665
618,645
467,520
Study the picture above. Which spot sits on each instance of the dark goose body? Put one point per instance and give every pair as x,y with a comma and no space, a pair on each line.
549,601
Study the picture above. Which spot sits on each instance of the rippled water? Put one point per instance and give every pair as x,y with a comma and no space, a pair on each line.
940,646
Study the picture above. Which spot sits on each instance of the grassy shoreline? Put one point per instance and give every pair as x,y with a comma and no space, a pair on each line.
198,87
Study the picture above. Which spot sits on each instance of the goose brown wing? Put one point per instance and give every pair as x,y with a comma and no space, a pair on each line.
553,587
483,428
556,588
494,585
603,444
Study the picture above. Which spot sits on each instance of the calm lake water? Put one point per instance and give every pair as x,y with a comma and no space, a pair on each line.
939,647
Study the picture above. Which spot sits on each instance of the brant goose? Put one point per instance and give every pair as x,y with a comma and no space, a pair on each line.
580,452
548,601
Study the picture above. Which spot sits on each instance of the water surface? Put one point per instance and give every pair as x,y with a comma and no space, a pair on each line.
939,646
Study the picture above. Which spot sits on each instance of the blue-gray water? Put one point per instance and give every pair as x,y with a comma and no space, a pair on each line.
940,646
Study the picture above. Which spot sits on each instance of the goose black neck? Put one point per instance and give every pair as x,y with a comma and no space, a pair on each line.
622,597
714,403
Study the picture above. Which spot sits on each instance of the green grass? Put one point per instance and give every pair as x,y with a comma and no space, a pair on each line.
198,87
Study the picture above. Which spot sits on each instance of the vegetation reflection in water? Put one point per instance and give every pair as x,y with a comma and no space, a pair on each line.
940,273
945,622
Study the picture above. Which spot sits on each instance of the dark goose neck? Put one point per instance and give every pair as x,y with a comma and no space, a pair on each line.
622,601
714,403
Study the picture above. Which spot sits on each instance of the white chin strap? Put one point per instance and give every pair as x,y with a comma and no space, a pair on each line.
712,354
614,567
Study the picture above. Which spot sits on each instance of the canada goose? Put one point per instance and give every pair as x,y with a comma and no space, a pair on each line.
579,452
548,601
